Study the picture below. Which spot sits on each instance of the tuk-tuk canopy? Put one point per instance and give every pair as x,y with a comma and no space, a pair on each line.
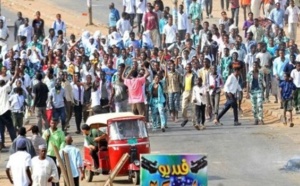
102,119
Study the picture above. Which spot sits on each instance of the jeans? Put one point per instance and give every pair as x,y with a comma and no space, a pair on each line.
200,114
60,113
174,101
6,121
78,115
215,100
158,110
187,4
235,15
17,118
41,115
225,2
231,102
121,106
209,6
139,22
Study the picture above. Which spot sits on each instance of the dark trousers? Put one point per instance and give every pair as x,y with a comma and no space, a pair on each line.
223,3
139,22
78,115
6,121
131,19
76,181
181,34
58,170
231,102
235,15
60,113
209,6
200,114
94,154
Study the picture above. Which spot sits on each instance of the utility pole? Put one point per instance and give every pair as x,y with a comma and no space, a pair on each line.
89,5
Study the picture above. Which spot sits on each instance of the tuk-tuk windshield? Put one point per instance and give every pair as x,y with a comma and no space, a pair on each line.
128,129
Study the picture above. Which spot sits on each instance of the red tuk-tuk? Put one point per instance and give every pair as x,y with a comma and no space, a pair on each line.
127,133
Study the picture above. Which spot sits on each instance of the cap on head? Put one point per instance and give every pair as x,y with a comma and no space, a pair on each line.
42,147
21,143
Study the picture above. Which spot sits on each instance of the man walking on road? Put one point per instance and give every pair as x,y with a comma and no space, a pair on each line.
5,113
44,171
231,87
18,23
255,87
75,160
40,96
18,166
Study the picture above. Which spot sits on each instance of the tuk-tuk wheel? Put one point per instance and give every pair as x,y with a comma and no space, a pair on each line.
135,177
88,175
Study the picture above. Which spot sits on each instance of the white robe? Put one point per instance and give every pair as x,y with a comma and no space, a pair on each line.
42,170
255,8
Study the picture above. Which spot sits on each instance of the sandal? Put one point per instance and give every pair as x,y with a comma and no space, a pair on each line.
291,124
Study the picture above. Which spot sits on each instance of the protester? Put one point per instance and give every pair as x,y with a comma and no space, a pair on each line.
18,165
287,88
75,159
44,171
54,136
255,86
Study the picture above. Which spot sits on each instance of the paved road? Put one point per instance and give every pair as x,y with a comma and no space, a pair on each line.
244,155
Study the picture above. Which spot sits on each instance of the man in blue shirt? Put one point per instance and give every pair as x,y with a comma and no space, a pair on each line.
277,15
287,88
291,65
75,158
279,64
132,42
114,15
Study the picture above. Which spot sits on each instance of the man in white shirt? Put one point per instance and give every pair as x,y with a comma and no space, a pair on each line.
58,24
4,34
295,75
123,24
26,30
257,31
129,8
292,18
140,10
250,58
169,33
231,87
5,113
17,103
183,23
78,92
18,166
44,170
51,39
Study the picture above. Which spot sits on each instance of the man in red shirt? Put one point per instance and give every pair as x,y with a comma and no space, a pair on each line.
136,89
151,24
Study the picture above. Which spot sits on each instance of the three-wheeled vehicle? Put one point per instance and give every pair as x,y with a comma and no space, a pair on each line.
127,133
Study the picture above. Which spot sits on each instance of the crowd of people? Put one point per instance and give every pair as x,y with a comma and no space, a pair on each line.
160,64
